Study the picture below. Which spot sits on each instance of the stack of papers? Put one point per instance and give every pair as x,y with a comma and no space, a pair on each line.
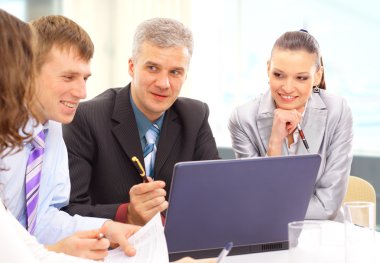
149,242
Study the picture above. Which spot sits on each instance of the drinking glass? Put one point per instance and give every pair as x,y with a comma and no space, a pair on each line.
359,223
305,239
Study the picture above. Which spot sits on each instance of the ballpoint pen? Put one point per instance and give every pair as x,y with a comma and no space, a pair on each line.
224,252
142,173
140,168
302,135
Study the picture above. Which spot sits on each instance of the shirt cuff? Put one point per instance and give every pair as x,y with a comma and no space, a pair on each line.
121,213
163,219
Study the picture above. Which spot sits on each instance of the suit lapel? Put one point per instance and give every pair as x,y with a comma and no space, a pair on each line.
125,129
314,123
265,119
168,136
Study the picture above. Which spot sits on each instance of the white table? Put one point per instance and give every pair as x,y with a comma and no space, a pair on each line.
332,243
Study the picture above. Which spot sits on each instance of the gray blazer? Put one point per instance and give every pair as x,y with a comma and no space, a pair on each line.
327,125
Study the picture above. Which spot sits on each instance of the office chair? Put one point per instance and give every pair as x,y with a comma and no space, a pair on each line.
360,190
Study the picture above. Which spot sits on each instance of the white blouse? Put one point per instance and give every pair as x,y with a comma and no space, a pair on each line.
17,245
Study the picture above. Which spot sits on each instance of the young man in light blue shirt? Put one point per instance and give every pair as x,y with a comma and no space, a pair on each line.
63,53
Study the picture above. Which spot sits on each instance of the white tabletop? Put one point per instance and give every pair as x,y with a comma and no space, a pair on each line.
332,243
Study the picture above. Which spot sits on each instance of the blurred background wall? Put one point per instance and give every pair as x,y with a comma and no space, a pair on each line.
233,39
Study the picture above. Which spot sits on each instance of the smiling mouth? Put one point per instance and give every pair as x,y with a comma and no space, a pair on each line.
287,97
159,95
70,105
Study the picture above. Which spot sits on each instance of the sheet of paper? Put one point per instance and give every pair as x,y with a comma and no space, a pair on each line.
150,244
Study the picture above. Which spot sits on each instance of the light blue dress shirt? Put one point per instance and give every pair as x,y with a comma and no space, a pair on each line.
143,124
52,224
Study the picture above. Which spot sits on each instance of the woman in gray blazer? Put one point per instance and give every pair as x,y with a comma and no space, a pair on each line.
269,125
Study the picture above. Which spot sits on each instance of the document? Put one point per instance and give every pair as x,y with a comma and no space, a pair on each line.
149,242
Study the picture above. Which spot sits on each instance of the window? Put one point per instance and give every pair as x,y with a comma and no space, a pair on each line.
15,7
233,40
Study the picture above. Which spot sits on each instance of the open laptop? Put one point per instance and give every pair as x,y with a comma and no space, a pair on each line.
246,201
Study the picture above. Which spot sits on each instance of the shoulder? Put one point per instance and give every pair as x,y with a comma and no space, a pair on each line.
334,102
249,110
190,113
250,107
102,106
103,99
335,108
187,107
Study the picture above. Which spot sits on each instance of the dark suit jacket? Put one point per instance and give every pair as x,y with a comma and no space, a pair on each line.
103,137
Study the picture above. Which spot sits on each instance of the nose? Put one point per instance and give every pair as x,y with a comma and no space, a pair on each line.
163,81
288,85
79,91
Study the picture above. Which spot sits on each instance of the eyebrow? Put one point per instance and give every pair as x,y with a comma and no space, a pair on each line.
276,69
70,72
151,63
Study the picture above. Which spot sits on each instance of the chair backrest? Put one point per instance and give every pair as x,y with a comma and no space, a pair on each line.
360,190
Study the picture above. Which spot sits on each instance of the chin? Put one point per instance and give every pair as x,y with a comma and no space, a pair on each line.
67,120
64,120
285,106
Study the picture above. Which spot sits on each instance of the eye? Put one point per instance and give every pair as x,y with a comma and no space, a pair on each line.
277,75
303,78
176,72
152,68
68,78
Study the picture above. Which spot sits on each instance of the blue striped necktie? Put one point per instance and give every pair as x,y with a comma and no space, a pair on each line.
150,149
32,179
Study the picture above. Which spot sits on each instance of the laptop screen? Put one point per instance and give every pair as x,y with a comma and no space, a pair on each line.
246,201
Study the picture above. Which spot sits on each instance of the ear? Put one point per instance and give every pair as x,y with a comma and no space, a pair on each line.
268,67
318,76
131,67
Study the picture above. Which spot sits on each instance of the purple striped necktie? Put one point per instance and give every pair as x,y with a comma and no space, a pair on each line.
32,179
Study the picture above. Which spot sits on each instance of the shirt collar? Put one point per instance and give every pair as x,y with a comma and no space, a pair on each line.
143,124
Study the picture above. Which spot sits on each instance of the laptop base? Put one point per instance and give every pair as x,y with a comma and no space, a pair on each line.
236,250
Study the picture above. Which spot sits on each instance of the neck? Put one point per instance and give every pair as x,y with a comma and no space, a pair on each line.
39,113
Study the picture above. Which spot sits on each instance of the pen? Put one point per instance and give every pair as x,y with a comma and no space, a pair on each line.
100,236
140,168
224,252
303,137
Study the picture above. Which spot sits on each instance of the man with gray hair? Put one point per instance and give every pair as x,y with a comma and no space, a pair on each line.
141,128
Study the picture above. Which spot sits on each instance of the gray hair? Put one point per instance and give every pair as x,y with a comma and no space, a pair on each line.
163,33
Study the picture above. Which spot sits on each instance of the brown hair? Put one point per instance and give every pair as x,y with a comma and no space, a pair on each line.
301,40
63,33
16,81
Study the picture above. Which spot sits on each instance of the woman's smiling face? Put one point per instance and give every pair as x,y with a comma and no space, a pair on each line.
292,75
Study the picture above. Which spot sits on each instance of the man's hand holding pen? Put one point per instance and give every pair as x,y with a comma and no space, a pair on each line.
146,200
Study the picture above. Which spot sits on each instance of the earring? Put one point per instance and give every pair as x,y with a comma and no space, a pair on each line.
316,89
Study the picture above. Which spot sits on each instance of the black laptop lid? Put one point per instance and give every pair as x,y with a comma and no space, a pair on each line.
246,201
